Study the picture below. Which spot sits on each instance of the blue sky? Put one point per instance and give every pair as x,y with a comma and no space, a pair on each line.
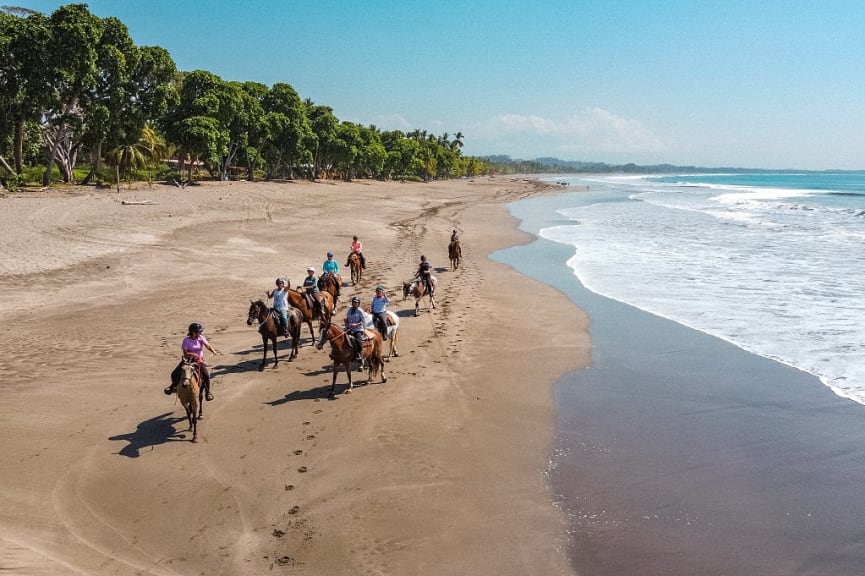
767,84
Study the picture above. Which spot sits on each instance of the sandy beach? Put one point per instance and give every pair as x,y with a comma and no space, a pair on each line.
441,470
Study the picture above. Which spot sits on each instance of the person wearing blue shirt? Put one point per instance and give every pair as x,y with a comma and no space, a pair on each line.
378,308
280,303
354,326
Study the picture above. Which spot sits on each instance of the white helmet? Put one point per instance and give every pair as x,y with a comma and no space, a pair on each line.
310,269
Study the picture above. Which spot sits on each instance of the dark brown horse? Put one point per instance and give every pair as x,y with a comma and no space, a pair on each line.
342,352
189,392
298,300
417,289
455,252
330,283
268,327
355,267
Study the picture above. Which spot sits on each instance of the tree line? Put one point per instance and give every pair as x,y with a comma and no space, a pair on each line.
77,94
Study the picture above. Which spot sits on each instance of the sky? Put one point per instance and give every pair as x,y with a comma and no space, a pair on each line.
727,83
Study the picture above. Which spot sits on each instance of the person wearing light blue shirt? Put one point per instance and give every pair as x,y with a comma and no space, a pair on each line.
378,308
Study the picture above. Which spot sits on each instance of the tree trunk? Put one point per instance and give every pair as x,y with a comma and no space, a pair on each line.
19,146
117,176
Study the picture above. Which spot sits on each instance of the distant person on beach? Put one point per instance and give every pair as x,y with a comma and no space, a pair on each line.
354,326
454,237
357,248
378,309
193,347
424,273
280,302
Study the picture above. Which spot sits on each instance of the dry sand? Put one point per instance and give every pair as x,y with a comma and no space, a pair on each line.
439,471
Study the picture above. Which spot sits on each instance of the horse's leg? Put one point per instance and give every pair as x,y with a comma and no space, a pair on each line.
348,371
311,333
275,357
263,358
200,401
392,338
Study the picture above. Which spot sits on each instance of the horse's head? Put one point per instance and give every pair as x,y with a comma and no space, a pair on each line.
254,311
189,373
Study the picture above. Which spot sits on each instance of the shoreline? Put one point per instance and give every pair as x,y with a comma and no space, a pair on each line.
440,470
689,455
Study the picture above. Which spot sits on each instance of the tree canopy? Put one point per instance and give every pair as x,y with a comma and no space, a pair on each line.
75,87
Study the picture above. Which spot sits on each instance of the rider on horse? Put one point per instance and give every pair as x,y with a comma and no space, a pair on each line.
310,286
356,248
330,269
424,273
454,237
280,303
193,349
378,308
354,326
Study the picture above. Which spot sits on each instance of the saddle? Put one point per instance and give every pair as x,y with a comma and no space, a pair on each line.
366,341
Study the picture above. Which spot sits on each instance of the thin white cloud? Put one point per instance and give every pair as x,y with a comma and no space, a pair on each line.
392,122
591,131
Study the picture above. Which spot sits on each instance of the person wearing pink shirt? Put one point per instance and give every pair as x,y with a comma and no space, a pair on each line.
357,248
193,347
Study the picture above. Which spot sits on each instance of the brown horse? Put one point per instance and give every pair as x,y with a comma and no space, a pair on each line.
268,327
297,300
356,268
417,289
330,283
342,352
189,392
455,252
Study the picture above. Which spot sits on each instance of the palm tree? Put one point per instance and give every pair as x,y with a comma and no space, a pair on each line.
149,150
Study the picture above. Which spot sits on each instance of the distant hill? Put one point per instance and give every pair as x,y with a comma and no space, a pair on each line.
548,165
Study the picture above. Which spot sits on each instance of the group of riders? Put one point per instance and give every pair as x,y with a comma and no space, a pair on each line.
195,343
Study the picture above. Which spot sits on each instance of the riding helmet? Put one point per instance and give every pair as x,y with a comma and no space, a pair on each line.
280,280
196,327
330,254
423,258
379,287
355,300
310,269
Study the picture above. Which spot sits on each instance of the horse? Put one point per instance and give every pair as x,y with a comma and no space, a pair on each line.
190,393
455,252
268,327
330,283
297,300
342,352
417,289
356,268
392,329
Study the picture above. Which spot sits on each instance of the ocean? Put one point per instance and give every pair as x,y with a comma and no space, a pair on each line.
713,432
771,262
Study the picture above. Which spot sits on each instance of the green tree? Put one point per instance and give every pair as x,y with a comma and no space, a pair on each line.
290,140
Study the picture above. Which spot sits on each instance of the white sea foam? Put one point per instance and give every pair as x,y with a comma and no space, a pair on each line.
777,271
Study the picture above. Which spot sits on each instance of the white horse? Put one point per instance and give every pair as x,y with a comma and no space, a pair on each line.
392,329
417,289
